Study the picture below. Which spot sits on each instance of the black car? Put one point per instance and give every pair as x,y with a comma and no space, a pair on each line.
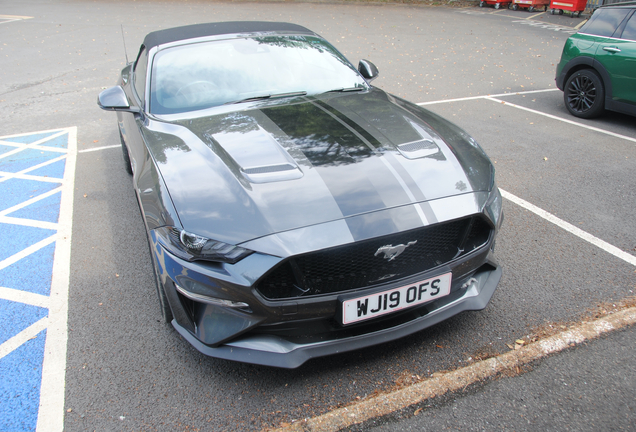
292,209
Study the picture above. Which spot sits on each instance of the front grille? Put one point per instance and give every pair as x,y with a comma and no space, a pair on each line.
363,264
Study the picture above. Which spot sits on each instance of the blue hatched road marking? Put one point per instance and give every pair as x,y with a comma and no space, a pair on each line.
36,175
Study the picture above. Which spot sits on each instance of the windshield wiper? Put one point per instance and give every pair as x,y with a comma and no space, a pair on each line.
345,89
269,96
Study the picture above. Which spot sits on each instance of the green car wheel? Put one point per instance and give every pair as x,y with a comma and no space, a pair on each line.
584,95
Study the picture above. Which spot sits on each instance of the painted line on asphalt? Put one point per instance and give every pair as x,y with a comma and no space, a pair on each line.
534,16
99,148
52,390
613,250
28,333
486,96
553,117
28,222
5,19
25,176
579,25
25,297
31,201
444,382
26,252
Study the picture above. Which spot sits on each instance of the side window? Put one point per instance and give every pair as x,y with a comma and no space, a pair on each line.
140,73
604,22
630,29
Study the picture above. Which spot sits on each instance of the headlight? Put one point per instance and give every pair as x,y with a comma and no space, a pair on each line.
192,247
494,206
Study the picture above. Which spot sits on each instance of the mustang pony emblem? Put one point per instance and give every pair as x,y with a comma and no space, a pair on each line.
391,252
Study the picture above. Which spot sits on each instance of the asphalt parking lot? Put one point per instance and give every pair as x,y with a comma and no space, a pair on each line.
490,71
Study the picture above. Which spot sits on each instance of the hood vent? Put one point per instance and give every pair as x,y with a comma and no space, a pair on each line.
269,169
271,173
261,159
424,147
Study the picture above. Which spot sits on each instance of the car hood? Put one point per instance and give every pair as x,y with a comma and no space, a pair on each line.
276,166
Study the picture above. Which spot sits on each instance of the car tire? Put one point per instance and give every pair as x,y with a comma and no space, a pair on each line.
584,95
124,150
166,312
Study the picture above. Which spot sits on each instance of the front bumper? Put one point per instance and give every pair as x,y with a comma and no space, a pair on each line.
271,350
286,332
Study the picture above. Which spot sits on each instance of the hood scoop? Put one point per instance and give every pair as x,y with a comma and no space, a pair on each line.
259,156
426,146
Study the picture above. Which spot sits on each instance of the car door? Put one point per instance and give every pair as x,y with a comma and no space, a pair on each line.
618,55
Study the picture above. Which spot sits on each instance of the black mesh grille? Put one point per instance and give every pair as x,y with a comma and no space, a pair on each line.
364,263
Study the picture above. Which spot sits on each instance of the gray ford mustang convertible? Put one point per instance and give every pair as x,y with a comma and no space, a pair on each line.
292,209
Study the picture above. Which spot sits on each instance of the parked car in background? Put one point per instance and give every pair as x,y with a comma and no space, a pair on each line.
597,70
292,209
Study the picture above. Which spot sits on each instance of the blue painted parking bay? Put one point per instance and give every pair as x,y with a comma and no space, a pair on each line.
36,176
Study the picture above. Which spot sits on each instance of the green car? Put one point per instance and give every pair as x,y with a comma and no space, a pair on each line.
597,70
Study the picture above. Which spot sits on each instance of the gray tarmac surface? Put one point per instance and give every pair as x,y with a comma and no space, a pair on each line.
587,388
126,370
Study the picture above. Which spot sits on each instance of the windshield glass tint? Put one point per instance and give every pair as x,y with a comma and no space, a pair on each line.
202,75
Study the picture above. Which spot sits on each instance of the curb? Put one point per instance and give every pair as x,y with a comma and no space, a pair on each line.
442,383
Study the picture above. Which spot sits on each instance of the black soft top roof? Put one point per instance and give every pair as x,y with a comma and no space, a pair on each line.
212,29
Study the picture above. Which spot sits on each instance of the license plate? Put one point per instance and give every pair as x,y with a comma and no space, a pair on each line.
385,302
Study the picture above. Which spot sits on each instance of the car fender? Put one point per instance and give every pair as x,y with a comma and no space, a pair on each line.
586,62
154,199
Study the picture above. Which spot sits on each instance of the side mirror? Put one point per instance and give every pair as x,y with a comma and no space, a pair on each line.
368,70
114,99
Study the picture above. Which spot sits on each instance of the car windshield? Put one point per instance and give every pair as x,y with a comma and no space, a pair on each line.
202,75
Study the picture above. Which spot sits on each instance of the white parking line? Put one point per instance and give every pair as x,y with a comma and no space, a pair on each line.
493,99
613,250
485,97
4,19
51,410
26,252
28,222
25,297
441,383
99,148
28,333
31,201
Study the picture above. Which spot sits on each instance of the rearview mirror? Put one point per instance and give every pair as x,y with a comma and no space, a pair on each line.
368,70
114,99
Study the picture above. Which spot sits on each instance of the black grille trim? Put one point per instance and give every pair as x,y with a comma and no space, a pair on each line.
361,264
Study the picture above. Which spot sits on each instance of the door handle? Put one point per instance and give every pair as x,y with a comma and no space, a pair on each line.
612,49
